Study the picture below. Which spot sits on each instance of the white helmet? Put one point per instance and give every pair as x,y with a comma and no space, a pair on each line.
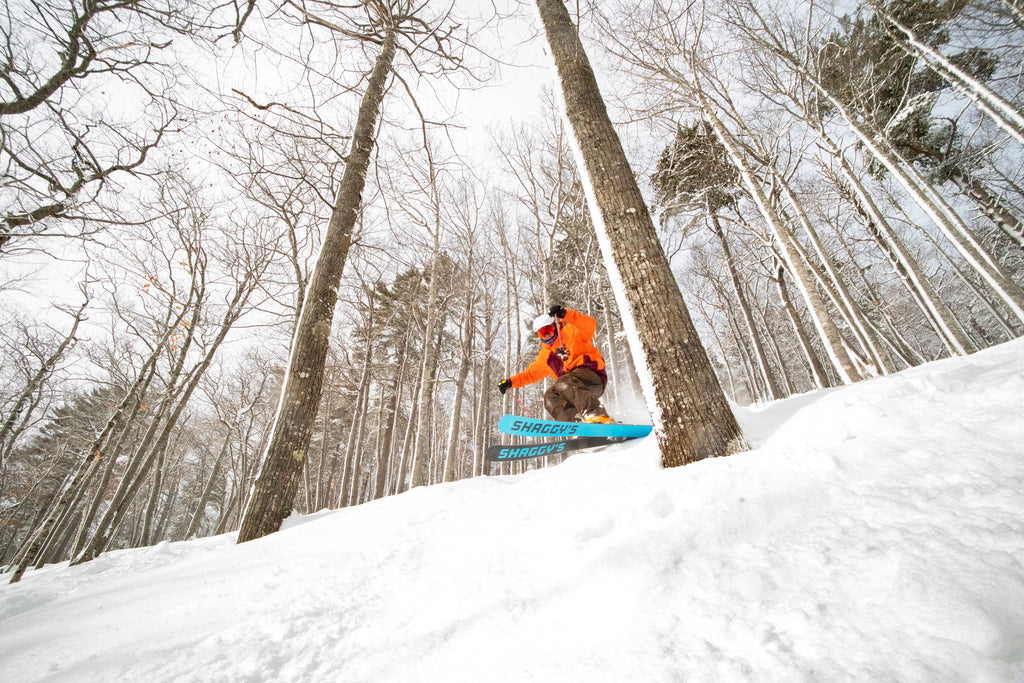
542,320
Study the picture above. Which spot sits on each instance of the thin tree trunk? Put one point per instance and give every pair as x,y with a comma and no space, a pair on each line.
318,495
818,375
931,203
772,344
10,430
82,536
350,471
614,368
460,386
401,474
366,493
484,390
989,204
72,491
1000,110
826,328
976,290
274,490
204,497
762,359
421,449
834,285
1016,11
350,448
154,497
384,454
133,480
355,461
903,262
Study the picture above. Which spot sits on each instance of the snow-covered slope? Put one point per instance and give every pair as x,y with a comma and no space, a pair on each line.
876,533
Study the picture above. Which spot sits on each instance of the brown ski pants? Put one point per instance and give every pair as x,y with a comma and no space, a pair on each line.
575,392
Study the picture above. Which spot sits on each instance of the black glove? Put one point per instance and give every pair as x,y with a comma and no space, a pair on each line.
556,311
504,385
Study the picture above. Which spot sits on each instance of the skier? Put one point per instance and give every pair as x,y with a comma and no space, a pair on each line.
567,354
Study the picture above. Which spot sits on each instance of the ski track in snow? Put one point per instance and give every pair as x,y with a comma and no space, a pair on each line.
875,533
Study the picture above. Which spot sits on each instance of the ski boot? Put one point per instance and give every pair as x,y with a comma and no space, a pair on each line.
596,418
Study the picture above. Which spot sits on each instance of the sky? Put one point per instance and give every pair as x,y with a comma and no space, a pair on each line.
874,532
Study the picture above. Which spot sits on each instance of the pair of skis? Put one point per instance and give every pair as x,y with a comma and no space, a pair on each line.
572,436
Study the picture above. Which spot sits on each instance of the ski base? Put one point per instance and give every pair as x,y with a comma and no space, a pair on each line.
501,453
528,426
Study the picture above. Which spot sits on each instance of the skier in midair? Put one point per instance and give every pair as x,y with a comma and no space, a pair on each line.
568,354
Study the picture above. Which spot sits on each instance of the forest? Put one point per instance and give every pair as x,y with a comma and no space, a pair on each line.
836,188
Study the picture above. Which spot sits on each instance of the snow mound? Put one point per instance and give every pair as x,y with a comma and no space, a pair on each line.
875,532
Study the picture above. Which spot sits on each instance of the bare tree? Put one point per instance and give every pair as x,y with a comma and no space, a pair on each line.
56,153
467,210
767,34
21,408
540,161
278,480
384,23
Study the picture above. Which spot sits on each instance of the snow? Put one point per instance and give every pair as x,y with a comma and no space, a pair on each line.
875,533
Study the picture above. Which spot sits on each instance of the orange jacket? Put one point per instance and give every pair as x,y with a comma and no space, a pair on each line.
571,349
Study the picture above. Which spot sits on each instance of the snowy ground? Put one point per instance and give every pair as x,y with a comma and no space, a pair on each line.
875,534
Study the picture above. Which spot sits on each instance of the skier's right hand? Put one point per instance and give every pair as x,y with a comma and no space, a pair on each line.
504,385
557,311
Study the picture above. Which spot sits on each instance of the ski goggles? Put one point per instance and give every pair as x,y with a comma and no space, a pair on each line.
547,333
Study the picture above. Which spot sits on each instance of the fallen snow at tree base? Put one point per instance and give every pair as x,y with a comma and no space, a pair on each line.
876,533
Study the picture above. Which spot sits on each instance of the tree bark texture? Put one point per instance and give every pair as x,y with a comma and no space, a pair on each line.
691,414
273,492
989,204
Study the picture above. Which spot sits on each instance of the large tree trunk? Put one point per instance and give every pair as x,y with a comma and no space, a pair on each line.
273,492
691,414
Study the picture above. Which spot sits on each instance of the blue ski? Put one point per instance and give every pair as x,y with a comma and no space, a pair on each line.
502,453
528,426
